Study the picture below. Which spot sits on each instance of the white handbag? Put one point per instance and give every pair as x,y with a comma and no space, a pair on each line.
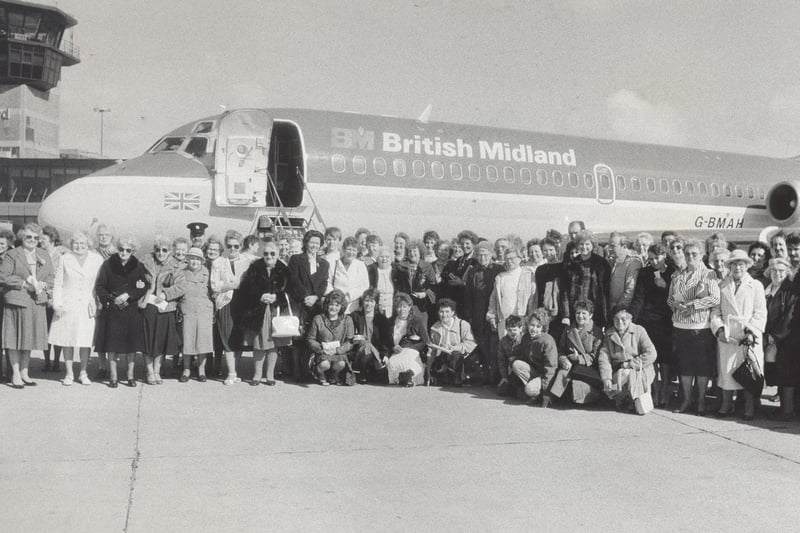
285,326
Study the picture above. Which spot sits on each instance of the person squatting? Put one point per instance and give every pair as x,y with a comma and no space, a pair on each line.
631,322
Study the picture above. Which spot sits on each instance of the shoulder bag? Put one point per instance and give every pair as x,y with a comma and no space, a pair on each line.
285,326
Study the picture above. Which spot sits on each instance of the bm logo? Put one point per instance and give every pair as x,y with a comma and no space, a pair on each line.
348,139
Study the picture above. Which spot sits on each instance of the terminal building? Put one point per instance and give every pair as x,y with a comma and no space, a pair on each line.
33,50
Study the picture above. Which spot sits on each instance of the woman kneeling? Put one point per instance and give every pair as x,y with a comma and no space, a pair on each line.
535,358
330,339
407,340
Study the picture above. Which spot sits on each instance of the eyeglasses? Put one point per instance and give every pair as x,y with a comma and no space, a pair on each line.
127,250
270,254
31,237
234,246
162,250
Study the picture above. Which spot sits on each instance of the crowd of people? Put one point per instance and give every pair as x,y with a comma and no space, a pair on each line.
562,318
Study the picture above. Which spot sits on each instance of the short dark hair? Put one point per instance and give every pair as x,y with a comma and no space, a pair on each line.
469,235
658,249
401,298
338,297
513,321
793,239
430,234
542,316
585,305
759,244
52,232
334,232
370,294
446,302
310,234
350,242
249,240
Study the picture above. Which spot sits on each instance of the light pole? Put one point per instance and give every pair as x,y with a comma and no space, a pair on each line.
102,111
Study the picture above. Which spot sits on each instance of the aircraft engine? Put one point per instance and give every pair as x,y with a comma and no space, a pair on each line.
782,203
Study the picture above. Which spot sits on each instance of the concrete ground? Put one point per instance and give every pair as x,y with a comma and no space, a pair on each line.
205,457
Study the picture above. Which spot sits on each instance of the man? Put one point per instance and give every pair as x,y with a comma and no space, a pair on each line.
197,233
624,271
333,245
575,227
793,251
105,241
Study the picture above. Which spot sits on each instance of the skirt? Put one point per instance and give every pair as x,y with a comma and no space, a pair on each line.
24,328
122,330
695,352
785,371
224,325
160,332
198,333
262,339
406,359
661,335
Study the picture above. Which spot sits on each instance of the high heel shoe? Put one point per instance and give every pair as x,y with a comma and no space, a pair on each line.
29,383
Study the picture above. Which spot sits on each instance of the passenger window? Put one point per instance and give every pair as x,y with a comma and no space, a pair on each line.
338,163
558,178
573,179
541,177
359,164
689,188
751,193
491,173
379,166
588,180
419,168
525,176
739,192
399,167
509,176
636,184
621,184
714,190
726,190
651,185
664,185
437,170
702,188
761,195
456,172
474,172
677,188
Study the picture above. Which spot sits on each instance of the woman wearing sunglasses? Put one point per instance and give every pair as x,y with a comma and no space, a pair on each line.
122,281
26,275
159,315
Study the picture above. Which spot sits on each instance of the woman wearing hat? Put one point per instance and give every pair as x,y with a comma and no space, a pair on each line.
193,288
738,323
783,368
693,293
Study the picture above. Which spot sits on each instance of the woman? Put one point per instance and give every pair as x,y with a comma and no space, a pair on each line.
121,282
370,327
779,339
330,340
406,342
454,337
777,245
586,277
535,255
180,247
226,274
381,279
308,277
193,289
212,250
251,247
693,293
260,296
578,349
349,275
415,277
26,276
74,305
650,310
627,355
738,323
6,243
759,253
50,242
438,266
717,258
431,241
513,293
159,316
400,241
535,359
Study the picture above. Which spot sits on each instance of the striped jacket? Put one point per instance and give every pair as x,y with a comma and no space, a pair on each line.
692,295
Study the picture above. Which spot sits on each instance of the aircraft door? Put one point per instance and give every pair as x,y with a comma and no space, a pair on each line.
605,184
241,158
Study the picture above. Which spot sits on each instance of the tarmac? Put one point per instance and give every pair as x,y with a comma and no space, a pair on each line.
299,457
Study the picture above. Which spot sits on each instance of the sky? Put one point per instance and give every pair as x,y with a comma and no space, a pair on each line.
718,75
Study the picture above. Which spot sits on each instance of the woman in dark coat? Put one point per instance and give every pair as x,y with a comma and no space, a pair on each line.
406,342
416,278
780,341
308,278
26,277
260,297
122,281
330,340
650,310
370,327
586,277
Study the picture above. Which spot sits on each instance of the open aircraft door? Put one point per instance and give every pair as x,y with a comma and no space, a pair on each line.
241,158
605,184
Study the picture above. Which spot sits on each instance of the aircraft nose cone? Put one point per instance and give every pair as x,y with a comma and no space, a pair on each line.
61,209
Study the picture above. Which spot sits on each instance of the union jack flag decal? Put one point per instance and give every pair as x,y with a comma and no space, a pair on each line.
182,201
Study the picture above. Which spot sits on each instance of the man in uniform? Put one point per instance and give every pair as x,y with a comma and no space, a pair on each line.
197,233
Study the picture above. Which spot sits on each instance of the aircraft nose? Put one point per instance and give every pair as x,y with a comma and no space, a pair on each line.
65,210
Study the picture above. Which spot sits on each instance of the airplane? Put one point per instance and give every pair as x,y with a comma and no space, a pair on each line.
310,168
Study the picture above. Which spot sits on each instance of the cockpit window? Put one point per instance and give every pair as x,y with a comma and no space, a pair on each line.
168,144
203,127
197,147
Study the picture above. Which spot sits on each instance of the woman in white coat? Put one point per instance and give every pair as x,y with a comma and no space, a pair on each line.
740,318
74,304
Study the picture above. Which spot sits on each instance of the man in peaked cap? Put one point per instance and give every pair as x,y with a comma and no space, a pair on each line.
197,233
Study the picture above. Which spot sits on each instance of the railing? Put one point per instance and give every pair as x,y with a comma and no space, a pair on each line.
71,49
67,47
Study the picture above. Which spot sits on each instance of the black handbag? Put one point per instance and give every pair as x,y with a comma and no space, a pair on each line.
749,375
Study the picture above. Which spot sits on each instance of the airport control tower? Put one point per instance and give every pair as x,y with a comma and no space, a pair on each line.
32,51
